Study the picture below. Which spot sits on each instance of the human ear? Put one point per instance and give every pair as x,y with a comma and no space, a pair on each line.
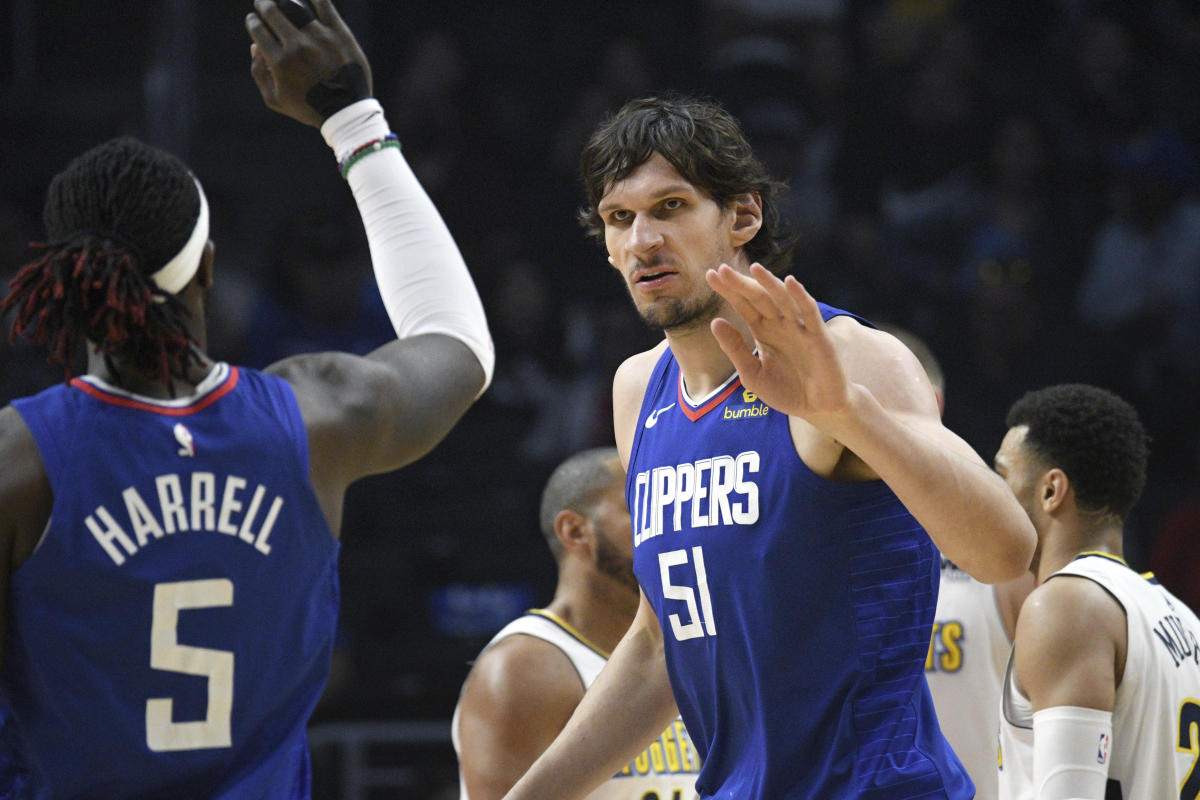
1053,490
573,531
747,217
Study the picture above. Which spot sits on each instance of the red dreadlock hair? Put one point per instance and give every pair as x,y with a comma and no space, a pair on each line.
113,217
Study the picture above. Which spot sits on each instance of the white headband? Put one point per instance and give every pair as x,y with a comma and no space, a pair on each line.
180,269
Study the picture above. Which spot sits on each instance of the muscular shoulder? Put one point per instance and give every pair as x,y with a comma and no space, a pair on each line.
629,387
883,364
516,699
1070,644
521,670
374,413
1062,603
330,386
889,370
634,373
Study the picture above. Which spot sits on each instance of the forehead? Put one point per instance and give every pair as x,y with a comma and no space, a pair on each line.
651,179
1012,448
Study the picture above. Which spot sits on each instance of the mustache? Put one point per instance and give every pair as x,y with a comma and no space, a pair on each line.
653,263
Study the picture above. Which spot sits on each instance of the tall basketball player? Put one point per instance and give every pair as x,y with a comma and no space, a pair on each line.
788,478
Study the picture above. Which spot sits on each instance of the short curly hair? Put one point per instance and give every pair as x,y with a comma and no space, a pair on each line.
706,145
1092,435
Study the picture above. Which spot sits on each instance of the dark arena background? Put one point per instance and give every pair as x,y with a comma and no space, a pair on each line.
1013,182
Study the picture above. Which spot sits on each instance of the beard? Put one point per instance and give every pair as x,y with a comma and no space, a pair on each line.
616,566
672,312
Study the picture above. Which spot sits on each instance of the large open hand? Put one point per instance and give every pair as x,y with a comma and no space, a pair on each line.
287,62
796,369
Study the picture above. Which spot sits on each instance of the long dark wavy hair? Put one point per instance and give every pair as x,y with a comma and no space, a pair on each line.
705,144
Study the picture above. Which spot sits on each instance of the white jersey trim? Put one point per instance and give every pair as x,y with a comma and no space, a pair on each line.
212,381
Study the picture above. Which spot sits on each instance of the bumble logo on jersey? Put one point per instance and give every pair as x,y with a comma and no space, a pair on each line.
754,408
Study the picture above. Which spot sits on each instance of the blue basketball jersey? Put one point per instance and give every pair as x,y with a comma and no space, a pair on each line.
795,610
172,631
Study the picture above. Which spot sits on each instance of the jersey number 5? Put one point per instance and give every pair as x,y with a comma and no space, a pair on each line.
692,629
166,653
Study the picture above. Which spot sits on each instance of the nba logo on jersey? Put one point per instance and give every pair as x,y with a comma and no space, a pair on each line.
187,445
1102,749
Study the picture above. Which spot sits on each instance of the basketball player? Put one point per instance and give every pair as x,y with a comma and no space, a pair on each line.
532,675
1102,696
973,628
168,523
782,458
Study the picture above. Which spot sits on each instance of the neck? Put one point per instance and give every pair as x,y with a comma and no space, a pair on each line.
1062,546
126,376
702,363
599,608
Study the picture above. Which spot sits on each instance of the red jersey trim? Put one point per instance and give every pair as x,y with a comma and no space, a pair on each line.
696,413
170,411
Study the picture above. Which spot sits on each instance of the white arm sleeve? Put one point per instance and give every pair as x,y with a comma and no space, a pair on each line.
424,282
1071,747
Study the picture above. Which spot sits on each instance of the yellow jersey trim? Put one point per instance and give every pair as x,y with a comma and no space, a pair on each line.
566,626
1102,554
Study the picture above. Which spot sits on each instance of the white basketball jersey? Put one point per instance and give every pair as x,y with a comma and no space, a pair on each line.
1156,721
666,770
965,671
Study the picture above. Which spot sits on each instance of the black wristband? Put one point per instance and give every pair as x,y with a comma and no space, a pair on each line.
345,86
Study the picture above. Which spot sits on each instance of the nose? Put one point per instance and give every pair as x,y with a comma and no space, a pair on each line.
644,236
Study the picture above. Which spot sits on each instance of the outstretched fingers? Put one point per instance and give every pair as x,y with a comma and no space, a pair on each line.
262,35
748,299
260,68
270,14
740,354
329,15
805,303
777,290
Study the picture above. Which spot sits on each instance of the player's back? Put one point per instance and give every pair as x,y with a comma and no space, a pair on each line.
171,633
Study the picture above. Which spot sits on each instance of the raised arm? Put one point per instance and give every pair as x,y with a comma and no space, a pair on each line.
866,392
375,413
625,709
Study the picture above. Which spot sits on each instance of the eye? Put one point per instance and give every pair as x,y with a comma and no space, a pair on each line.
672,204
618,216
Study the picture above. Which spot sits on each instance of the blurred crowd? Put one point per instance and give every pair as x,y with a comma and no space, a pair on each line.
1013,182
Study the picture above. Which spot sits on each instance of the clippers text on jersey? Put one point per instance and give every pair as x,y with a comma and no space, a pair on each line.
711,491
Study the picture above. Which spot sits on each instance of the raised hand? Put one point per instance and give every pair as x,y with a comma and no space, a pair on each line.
287,62
796,368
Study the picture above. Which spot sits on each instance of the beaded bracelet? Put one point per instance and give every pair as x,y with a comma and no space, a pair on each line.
361,152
